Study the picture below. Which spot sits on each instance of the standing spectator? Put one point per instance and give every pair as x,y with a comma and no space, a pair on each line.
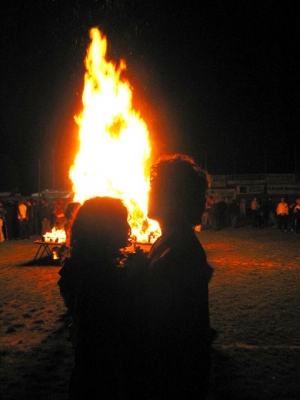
282,212
3,227
213,216
296,213
29,218
35,218
52,207
10,230
255,212
292,216
2,238
59,215
1,230
272,212
179,345
233,212
243,212
220,213
206,217
22,220
45,216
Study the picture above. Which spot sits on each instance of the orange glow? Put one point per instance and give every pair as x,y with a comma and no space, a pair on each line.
56,235
114,151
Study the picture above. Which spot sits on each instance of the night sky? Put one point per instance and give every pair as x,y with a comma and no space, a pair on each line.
218,80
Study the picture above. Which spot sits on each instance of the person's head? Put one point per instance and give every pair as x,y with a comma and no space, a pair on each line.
100,226
177,191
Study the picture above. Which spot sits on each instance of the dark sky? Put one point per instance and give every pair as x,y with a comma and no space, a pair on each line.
217,80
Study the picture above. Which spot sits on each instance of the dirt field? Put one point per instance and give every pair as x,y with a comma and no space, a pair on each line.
254,306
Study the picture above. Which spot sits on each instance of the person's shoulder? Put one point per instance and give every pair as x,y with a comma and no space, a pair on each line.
186,248
68,267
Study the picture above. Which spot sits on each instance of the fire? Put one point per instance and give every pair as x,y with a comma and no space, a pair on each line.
56,235
114,140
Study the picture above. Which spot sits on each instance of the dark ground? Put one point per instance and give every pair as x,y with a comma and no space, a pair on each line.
254,305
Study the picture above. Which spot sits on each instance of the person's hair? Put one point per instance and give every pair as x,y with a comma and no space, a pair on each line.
72,209
182,183
100,224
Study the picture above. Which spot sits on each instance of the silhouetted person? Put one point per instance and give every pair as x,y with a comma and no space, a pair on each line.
22,220
2,238
70,214
233,211
297,216
35,218
220,212
101,300
255,212
292,217
282,211
29,218
58,215
272,212
45,217
179,328
10,231
3,234
243,210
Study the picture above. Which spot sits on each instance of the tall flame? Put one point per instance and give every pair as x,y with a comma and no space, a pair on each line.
114,140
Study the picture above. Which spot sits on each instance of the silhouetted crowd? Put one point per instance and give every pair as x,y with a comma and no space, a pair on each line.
24,218
260,212
281,214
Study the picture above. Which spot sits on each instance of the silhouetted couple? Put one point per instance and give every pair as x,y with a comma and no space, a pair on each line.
141,335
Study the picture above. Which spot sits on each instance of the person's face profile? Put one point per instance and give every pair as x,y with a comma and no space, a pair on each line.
154,201
124,233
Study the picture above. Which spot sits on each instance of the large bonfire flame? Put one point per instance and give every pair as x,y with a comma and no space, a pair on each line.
114,140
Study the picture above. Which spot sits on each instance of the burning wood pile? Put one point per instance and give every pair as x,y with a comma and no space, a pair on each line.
114,152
